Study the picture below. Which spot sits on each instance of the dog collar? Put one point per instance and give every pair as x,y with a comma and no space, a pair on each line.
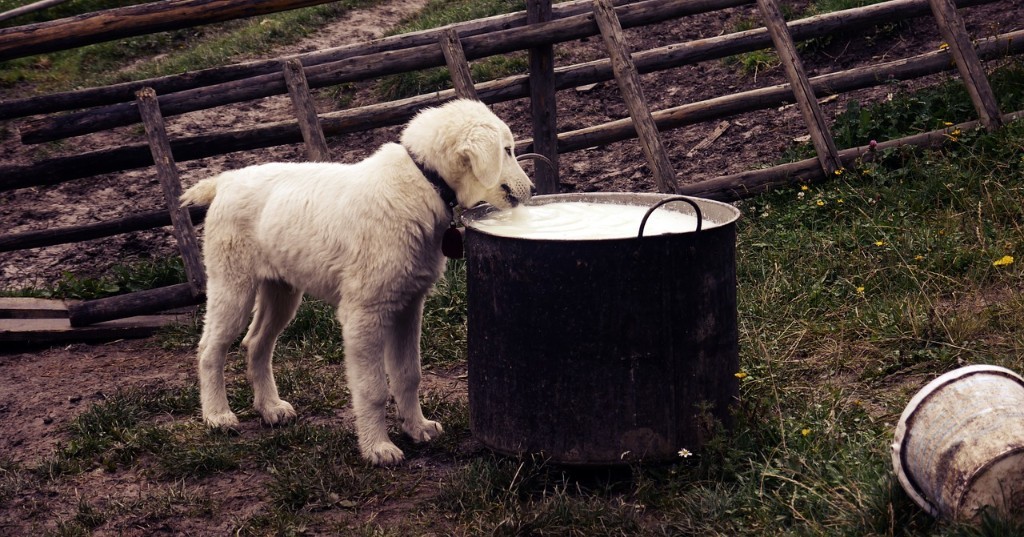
435,179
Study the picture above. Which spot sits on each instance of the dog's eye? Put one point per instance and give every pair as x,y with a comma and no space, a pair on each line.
508,151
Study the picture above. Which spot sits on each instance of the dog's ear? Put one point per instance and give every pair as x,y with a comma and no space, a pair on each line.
482,151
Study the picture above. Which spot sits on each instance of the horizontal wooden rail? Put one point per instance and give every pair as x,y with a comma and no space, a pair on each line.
85,232
125,91
61,169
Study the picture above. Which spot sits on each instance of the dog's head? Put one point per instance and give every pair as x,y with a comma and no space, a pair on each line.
473,150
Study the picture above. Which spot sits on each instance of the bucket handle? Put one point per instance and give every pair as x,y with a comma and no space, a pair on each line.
696,208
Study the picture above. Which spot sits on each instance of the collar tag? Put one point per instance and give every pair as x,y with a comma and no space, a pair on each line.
451,243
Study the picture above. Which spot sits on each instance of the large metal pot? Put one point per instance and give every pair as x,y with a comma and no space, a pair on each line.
602,351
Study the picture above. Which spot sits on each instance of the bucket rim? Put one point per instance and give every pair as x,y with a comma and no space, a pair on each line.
469,217
906,480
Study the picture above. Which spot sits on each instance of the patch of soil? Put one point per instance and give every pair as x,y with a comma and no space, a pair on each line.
43,391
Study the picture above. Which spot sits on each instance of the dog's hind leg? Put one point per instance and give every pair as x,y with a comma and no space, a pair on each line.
227,307
362,331
402,360
276,303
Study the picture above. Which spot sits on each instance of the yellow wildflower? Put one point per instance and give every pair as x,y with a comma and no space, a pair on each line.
804,187
805,432
879,243
918,257
740,375
1003,261
821,203
860,290
944,46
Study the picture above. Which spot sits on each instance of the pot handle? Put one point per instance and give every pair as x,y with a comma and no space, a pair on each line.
696,208
536,156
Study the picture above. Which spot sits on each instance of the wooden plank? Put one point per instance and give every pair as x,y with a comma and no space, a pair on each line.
709,139
132,304
458,66
629,84
543,104
32,308
51,330
954,32
167,173
828,155
305,111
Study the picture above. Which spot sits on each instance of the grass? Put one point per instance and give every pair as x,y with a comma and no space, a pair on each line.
852,294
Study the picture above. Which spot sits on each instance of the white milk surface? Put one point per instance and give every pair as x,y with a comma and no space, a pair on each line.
580,220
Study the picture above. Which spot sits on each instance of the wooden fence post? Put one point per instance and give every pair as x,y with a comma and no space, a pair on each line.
828,155
629,85
543,104
193,292
953,31
167,173
458,66
305,111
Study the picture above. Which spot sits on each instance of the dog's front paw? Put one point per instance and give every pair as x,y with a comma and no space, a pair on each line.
424,431
276,413
221,420
383,454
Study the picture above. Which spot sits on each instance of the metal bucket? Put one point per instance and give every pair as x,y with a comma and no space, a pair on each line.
603,351
959,445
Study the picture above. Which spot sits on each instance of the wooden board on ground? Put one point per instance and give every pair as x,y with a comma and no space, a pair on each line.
41,321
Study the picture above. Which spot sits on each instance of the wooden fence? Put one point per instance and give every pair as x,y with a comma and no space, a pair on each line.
535,30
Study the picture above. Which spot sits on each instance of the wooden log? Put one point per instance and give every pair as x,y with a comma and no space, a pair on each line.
751,183
632,92
71,234
543,103
125,91
167,174
805,99
952,28
131,304
358,68
458,66
60,169
130,21
305,111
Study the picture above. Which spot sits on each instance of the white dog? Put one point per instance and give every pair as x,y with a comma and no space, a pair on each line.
363,237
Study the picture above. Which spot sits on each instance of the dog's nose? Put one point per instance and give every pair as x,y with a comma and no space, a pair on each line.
533,191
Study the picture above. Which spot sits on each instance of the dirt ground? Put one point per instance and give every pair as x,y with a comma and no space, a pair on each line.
43,389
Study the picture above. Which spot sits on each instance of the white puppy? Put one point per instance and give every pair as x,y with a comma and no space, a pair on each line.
363,237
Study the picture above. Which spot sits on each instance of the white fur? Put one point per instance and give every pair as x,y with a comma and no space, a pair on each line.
363,237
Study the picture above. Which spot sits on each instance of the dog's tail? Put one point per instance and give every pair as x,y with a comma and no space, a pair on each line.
201,193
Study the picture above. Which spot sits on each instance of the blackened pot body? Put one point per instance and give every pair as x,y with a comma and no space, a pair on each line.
603,351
